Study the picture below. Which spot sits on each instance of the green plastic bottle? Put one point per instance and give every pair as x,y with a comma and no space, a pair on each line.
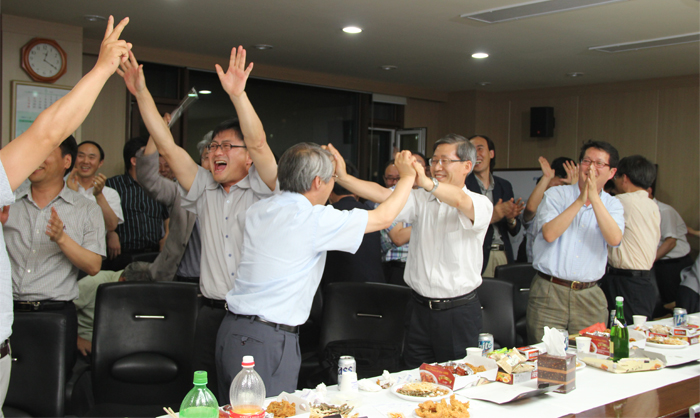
619,334
199,402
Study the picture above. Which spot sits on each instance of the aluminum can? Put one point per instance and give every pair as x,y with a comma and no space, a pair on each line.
566,338
346,364
680,317
486,342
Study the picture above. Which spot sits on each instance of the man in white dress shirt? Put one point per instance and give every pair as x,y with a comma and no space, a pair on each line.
444,264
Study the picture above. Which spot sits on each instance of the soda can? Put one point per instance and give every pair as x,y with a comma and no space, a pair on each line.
486,342
566,338
346,365
680,317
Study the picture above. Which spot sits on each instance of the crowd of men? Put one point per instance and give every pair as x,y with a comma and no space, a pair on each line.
257,235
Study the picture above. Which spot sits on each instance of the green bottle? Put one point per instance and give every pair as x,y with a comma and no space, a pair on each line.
619,334
199,402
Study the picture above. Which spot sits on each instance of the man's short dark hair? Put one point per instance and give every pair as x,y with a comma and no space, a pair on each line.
131,147
350,169
491,147
102,152
138,271
638,169
69,146
230,124
558,166
614,157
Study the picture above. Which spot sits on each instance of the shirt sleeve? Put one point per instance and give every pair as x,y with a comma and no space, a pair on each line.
617,212
6,195
550,206
191,198
114,202
339,230
483,210
408,213
259,186
94,230
669,224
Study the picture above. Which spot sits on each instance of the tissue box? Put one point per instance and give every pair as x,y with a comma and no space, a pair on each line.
601,342
557,370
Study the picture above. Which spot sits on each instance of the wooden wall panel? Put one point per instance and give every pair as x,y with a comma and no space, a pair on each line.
106,123
493,120
627,120
462,113
427,114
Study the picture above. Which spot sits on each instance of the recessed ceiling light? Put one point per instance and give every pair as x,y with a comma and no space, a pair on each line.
204,92
484,83
574,74
94,18
262,47
352,29
388,67
480,55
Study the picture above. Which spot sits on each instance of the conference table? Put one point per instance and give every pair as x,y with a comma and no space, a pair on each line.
667,392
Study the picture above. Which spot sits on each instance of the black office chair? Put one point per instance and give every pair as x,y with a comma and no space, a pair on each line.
366,321
143,341
38,377
521,275
496,297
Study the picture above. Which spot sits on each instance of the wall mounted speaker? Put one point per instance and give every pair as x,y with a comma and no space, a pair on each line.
541,122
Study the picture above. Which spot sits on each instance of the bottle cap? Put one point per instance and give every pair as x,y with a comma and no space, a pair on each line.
200,377
248,361
619,299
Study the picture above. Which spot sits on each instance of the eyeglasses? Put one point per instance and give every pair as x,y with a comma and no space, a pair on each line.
225,147
598,164
443,161
391,178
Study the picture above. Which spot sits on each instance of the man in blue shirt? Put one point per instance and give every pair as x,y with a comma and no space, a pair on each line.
578,222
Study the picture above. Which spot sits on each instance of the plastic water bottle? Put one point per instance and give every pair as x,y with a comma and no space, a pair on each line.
247,392
199,402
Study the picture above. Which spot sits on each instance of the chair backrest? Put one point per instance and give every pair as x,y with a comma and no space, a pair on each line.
364,315
521,275
143,342
38,377
496,297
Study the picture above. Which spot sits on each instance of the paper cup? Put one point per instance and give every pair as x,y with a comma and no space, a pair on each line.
583,344
639,320
475,351
348,382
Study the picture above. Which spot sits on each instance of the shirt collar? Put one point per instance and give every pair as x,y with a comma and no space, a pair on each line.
66,194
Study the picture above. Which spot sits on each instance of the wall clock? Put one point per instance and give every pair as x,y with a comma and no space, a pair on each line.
44,60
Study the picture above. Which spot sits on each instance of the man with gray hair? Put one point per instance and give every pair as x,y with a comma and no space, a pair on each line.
286,239
444,265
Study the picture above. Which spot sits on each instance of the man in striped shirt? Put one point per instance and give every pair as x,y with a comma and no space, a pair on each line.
144,218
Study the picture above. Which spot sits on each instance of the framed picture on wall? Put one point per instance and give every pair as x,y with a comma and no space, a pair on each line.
28,100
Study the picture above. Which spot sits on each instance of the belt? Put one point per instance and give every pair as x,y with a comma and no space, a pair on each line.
41,305
631,273
573,285
215,303
443,304
287,328
498,247
4,348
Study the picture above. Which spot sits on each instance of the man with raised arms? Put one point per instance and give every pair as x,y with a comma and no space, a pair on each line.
243,170
24,154
444,264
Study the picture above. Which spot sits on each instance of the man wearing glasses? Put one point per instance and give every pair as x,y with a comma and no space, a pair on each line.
443,269
242,171
570,252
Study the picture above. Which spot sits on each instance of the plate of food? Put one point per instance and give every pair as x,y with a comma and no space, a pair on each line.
323,410
580,365
666,342
421,391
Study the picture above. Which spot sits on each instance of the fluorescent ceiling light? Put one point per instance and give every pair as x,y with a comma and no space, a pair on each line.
205,92
480,55
352,29
533,8
649,43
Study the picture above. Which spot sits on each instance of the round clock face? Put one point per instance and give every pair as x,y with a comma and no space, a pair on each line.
45,60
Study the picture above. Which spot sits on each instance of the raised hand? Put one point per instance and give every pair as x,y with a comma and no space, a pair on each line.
591,183
404,163
340,169
54,229
546,168
4,214
72,181
516,209
113,50
98,184
571,172
234,79
132,73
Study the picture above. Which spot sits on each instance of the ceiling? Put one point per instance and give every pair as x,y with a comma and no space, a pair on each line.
426,39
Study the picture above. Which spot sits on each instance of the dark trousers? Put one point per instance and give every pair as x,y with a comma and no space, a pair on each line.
208,322
688,298
276,353
438,336
668,276
393,272
640,292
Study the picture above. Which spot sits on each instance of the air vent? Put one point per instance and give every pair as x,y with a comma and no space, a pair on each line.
650,43
536,8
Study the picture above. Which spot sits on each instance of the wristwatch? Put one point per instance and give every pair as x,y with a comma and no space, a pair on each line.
512,222
435,185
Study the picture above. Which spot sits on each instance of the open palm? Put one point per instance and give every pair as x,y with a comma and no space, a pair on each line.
234,79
